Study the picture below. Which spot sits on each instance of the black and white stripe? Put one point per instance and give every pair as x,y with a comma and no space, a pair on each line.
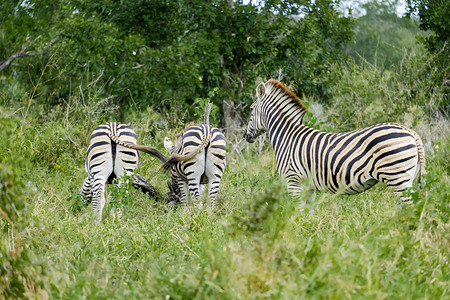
106,159
347,163
197,157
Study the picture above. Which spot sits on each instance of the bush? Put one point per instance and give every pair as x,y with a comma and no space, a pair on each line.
366,94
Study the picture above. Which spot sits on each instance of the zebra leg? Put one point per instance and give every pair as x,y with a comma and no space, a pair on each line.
184,192
194,187
296,189
214,172
398,189
98,199
86,191
214,183
398,184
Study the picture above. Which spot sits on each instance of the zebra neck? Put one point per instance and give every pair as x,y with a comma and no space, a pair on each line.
282,125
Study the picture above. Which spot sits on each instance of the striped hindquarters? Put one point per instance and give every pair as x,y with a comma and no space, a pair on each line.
104,152
107,159
195,140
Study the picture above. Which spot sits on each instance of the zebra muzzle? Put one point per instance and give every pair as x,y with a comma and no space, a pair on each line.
249,137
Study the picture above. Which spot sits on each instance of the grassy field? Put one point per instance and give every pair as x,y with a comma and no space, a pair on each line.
255,244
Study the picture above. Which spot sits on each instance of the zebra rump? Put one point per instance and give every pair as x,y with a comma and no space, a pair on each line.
347,163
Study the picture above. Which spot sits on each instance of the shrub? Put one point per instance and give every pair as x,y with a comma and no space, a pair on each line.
367,94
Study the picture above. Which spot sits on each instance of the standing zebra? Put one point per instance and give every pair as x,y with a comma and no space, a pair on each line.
346,162
197,158
108,157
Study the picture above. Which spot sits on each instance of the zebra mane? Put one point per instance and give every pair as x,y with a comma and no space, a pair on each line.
291,94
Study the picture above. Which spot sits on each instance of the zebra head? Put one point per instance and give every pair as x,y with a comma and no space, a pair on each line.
255,126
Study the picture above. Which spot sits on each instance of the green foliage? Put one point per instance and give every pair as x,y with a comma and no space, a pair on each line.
119,192
201,103
434,16
131,61
264,206
255,244
12,188
311,120
168,53
76,203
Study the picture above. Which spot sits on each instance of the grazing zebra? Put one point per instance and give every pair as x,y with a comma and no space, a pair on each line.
197,158
109,157
347,163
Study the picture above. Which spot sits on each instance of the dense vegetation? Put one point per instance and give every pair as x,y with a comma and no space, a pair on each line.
68,65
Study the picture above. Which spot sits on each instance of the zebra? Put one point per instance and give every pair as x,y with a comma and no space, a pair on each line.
108,157
197,157
347,163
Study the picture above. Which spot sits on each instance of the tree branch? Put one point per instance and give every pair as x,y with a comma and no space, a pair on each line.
23,53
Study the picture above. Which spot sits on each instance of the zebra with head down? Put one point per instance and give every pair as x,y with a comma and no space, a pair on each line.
197,157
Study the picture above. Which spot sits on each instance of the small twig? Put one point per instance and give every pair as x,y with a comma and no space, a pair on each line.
138,66
184,243
93,83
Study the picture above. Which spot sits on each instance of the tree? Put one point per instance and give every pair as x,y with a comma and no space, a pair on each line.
241,44
169,52
381,36
434,16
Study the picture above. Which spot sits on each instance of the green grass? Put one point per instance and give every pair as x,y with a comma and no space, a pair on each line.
254,245
361,246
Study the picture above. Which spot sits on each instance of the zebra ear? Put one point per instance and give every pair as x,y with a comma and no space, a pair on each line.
168,144
260,90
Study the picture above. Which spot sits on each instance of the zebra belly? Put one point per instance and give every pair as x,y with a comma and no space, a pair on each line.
357,188
364,182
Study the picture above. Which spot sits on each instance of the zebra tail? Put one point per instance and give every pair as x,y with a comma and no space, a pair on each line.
421,154
146,149
176,158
